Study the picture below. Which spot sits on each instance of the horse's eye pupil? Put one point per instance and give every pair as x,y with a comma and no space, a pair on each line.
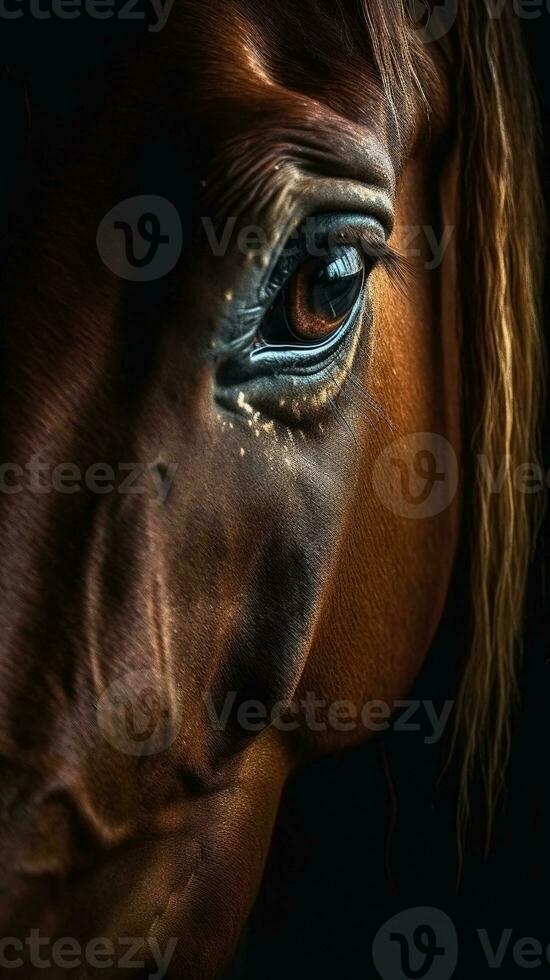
323,292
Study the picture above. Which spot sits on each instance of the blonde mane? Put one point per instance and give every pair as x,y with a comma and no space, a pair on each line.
500,249
502,243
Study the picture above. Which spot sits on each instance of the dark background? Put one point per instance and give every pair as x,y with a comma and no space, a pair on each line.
368,834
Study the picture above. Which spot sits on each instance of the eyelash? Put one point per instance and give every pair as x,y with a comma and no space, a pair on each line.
378,250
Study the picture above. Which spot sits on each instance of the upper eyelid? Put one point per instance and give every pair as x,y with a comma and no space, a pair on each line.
349,227
361,234
380,251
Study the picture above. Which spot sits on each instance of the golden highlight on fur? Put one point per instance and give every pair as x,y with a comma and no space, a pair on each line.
500,254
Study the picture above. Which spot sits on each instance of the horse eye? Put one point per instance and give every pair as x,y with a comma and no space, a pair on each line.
316,300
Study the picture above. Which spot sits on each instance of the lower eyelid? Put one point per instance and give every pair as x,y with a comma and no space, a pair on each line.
310,353
294,395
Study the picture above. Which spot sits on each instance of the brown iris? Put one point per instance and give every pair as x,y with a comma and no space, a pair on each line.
317,299
311,316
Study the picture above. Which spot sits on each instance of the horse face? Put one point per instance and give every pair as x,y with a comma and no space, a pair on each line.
230,541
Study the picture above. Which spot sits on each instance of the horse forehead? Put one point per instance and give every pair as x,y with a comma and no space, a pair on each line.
255,52
318,56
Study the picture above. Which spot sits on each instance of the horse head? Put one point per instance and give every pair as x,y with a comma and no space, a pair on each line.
246,292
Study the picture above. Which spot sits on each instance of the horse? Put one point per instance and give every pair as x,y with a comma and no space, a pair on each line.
249,414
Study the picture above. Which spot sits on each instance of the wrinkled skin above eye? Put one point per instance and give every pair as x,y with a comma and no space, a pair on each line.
316,300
